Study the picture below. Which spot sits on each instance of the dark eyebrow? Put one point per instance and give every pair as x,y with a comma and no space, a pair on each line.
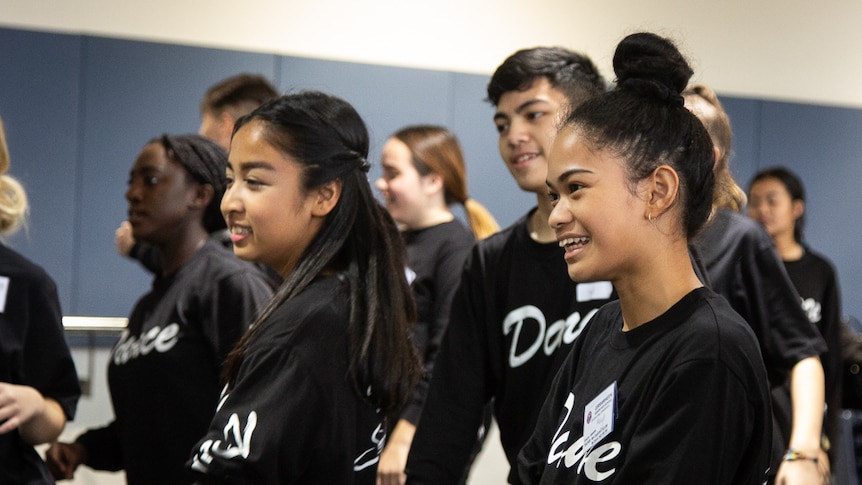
568,173
246,166
519,109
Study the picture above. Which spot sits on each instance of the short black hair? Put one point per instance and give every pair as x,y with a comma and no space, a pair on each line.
571,72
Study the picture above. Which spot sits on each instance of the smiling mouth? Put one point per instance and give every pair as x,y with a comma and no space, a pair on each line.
238,233
572,243
523,159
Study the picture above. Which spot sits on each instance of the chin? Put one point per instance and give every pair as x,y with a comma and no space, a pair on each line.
581,276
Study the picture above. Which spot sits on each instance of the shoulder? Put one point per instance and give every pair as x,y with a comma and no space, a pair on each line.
714,324
15,266
214,262
504,240
728,229
322,309
819,260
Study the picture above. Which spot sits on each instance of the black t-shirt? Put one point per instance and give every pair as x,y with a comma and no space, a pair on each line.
686,401
33,352
514,318
435,255
164,373
293,415
744,267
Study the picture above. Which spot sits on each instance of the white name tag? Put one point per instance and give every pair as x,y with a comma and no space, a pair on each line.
599,416
4,288
597,290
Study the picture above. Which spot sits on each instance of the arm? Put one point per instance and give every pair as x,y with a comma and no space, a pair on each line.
38,419
393,459
99,449
806,391
459,390
449,265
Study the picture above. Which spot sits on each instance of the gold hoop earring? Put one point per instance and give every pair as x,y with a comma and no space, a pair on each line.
649,216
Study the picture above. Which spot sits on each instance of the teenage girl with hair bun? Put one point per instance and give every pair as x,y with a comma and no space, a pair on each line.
666,385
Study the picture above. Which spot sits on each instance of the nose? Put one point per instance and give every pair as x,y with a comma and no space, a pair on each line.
133,192
381,184
517,133
560,215
230,202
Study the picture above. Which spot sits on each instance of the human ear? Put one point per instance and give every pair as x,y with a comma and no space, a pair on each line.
662,187
325,198
201,197
433,182
798,208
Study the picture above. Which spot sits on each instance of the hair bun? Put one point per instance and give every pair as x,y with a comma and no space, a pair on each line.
650,65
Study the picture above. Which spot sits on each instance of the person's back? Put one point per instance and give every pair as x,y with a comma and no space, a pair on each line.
516,312
743,266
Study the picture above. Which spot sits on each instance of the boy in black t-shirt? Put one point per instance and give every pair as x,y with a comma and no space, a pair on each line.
516,313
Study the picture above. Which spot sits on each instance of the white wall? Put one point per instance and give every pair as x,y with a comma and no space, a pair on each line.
790,50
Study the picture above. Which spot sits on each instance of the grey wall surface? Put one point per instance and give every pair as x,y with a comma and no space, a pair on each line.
78,109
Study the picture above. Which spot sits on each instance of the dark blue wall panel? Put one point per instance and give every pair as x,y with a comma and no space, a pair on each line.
78,110
745,122
40,106
387,98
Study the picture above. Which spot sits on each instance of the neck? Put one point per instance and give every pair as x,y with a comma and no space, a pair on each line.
433,217
540,231
656,285
174,254
787,247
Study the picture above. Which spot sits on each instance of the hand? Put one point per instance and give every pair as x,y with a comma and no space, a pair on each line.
63,458
123,238
18,404
393,460
800,472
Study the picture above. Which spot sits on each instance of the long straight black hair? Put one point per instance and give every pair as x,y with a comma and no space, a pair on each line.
327,137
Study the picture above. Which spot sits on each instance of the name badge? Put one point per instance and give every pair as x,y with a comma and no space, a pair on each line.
4,288
596,290
599,416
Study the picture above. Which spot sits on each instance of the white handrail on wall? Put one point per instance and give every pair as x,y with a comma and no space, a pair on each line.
95,324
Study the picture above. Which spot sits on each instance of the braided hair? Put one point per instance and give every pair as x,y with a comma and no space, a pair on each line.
206,162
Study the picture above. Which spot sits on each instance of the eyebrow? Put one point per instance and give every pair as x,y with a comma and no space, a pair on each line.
523,106
246,166
568,173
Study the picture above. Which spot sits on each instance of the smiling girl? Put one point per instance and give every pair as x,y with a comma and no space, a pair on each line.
664,386
311,383
423,175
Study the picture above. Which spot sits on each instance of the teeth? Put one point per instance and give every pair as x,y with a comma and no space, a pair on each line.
240,230
574,241
524,157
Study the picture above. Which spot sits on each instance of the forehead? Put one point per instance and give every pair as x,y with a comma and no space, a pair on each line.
571,150
396,151
769,185
540,90
152,156
250,149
